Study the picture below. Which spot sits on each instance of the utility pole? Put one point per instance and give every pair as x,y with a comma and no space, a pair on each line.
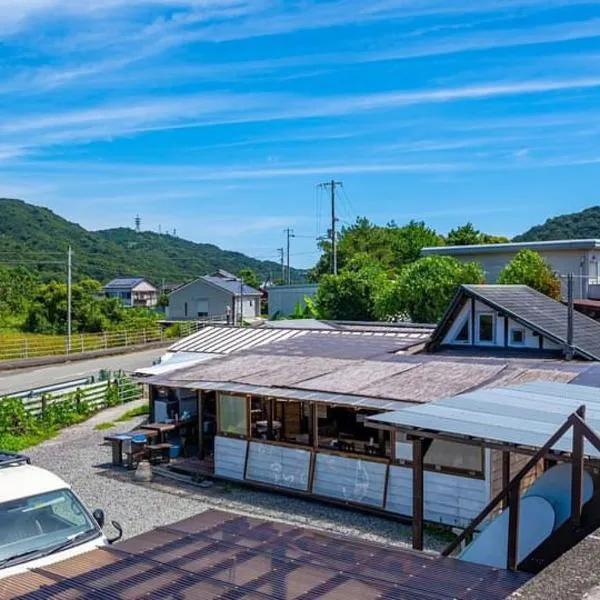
290,234
69,297
280,250
333,184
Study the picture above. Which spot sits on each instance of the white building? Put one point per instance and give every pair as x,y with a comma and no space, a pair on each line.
132,291
283,299
579,257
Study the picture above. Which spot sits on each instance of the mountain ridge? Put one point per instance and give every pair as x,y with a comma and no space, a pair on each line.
36,237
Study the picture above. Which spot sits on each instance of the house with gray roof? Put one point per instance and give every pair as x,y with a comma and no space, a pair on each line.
515,318
132,291
215,297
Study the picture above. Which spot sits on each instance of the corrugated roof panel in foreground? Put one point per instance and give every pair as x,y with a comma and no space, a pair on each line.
224,555
525,415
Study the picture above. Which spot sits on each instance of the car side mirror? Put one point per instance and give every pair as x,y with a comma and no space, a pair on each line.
119,529
98,515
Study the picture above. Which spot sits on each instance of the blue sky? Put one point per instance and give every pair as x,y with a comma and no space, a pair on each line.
217,118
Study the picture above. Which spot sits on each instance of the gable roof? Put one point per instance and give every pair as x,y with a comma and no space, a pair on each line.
231,285
532,309
223,274
514,247
124,282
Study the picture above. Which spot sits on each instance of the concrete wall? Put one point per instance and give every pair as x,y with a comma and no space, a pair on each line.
284,298
582,264
199,296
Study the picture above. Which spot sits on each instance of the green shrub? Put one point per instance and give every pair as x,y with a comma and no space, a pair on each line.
15,419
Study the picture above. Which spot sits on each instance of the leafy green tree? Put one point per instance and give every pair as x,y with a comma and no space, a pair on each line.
529,268
162,301
467,235
424,288
350,294
389,246
250,277
17,289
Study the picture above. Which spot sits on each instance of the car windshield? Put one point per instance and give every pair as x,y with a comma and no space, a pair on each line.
39,523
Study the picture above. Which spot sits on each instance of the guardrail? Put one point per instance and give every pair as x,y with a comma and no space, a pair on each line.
117,389
14,347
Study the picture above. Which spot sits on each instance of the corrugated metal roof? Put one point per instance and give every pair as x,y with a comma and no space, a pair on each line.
124,282
224,555
225,340
525,415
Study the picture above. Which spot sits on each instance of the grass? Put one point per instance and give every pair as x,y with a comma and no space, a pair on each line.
134,412
16,443
103,426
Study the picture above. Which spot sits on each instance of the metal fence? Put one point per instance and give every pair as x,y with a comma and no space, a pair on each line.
13,347
116,389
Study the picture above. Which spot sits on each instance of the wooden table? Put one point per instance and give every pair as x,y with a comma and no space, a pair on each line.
161,429
116,441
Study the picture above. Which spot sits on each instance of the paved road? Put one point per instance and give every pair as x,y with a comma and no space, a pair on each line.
24,379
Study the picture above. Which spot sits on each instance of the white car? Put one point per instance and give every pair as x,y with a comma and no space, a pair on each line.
42,521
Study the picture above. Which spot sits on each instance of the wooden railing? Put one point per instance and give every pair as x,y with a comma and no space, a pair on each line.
509,496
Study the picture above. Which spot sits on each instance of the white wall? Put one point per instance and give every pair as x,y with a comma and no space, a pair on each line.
531,341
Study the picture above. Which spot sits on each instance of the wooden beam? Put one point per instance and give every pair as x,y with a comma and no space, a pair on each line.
512,557
314,408
505,475
472,321
200,425
506,319
577,471
418,494
249,417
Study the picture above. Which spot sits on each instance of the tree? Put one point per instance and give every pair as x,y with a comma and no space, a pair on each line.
529,268
17,289
349,295
389,246
162,301
424,288
467,235
250,278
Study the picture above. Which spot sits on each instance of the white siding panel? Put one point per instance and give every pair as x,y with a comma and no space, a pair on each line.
449,499
230,457
349,479
276,465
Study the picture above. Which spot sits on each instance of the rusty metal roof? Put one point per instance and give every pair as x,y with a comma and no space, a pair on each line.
223,555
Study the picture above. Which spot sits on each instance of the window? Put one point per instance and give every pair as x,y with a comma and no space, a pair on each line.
463,337
485,328
517,337
454,456
233,417
185,309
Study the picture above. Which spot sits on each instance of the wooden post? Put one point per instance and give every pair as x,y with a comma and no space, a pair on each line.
315,425
393,446
418,492
248,416
505,475
217,413
513,529
200,426
577,471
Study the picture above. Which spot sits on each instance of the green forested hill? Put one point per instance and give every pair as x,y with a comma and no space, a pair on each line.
580,225
36,237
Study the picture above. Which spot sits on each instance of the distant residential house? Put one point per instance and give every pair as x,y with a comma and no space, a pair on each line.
580,257
283,299
210,295
514,317
132,291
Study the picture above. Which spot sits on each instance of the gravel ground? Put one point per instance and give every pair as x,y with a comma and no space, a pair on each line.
79,456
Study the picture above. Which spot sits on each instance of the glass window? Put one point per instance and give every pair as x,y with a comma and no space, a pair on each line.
41,522
233,414
463,335
517,336
486,328
454,456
